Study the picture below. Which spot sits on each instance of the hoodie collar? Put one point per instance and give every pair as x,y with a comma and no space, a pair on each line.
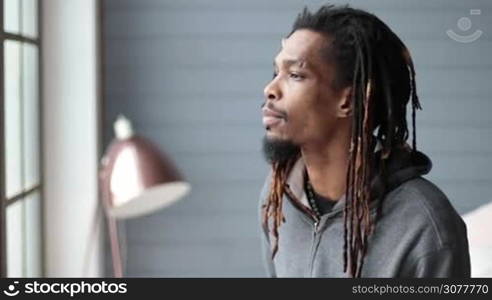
403,164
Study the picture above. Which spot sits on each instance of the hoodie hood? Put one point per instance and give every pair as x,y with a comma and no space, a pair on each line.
402,165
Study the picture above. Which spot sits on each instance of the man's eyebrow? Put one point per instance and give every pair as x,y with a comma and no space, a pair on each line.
302,63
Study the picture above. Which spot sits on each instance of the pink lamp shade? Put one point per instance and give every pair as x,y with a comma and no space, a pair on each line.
137,178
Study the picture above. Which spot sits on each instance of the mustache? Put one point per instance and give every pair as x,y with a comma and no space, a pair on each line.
270,106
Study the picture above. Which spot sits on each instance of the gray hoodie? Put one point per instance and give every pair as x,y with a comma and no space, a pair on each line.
419,233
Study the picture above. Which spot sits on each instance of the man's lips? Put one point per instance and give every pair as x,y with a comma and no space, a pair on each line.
271,118
271,121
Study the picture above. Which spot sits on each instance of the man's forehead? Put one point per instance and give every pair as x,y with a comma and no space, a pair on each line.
287,55
304,46
295,47
305,39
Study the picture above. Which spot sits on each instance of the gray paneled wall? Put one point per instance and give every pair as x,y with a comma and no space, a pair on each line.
190,74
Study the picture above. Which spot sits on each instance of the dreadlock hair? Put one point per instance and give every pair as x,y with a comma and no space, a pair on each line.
370,58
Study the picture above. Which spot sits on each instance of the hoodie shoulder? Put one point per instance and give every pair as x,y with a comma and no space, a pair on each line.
434,227
425,207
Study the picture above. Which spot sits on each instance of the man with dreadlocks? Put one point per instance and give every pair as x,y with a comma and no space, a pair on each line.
345,196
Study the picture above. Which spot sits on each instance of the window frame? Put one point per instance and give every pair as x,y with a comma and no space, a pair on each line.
38,188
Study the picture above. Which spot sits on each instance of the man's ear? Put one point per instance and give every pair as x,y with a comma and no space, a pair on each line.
345,103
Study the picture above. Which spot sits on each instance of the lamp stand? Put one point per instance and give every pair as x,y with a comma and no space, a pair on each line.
115,246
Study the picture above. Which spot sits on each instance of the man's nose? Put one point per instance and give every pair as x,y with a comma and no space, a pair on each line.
271,91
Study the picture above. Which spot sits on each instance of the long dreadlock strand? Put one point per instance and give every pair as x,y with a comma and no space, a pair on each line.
361,139
364,219
273,208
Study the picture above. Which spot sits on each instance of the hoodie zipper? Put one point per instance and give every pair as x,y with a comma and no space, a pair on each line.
316,220
314,246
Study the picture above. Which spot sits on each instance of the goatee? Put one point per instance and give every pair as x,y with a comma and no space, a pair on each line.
279,151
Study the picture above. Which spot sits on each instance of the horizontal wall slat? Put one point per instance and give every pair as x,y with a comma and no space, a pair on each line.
290,5
174,52
471,112
204,81
426,24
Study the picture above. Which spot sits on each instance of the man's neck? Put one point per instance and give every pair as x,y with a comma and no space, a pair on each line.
326,165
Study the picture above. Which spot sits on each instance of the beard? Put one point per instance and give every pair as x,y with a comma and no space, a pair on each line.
279,151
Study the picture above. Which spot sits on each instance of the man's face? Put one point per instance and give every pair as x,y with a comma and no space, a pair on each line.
301,105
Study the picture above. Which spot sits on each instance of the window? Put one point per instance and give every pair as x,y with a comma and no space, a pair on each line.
21,186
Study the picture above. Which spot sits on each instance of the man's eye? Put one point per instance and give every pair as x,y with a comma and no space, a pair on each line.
275,74
296,76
